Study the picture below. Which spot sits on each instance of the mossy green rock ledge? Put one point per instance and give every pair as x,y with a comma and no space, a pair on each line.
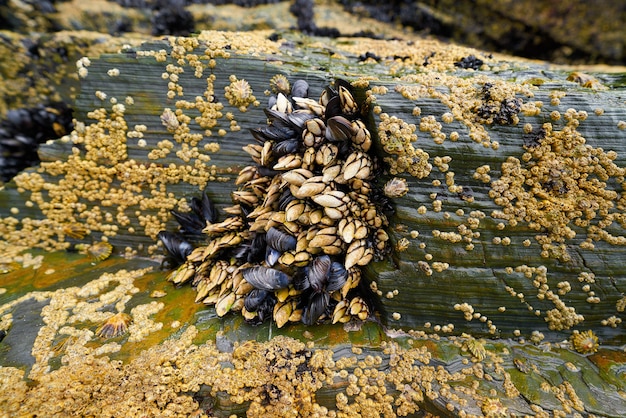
507,261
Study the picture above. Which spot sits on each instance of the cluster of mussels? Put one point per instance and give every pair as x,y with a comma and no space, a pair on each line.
306,217
24,129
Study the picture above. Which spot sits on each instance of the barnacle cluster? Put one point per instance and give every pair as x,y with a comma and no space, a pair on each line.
80,369
306,217
283,377
561,184
396,137
501,110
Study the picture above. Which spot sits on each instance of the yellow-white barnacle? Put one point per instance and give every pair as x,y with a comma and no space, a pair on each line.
239,93
169,120
114,326
396,187
476,348
76,231
280,84
98,251
494,408
402,244
585,342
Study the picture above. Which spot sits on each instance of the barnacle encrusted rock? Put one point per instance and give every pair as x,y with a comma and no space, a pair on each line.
464,267
560,182
72,369
463,134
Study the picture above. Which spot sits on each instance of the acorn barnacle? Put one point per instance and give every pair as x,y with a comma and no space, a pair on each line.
280,84
402,244
115,326
585,342
98,251
306,217
75,231
169,120
239,93
396,187
476,348
494,408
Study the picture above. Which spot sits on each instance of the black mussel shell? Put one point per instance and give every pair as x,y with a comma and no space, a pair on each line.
205,208
333,108
254,299
189,222
273,133
256,249
22,130
317,305
300,88
258,245
208,209
264,307
300,280
285,198
241,252
266,172
279,240
176,246
298,119
271,256
251,251
336,277
285,147
317,272
278,119
293,120
271,101
338,129
266,278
